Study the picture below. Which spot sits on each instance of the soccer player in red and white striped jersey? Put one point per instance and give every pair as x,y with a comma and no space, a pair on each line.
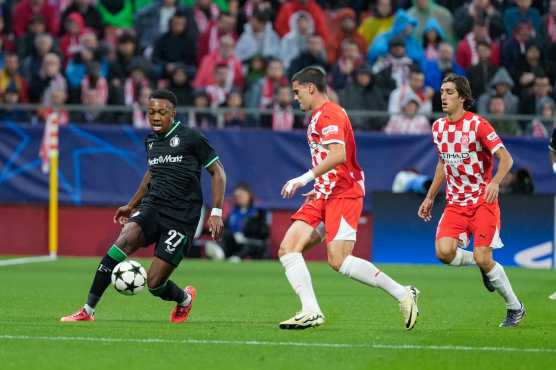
466,145
336,202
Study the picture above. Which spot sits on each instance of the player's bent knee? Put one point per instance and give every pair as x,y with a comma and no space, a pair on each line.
445,256
288,247
335,262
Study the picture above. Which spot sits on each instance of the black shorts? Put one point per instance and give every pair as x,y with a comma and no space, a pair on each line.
172,238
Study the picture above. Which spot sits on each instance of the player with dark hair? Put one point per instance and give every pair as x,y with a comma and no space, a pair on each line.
334,204
166,208
466,144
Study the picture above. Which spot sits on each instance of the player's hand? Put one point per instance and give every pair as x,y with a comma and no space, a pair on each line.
492,191
290,188
425,209
122,215
216,227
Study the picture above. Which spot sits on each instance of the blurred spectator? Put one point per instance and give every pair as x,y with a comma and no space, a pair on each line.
180,84
343,71
263,93
126,55
433,35
89,13
205,75
93,112
522,12
532,67
201,119
314,56
116,13
222,5
500,85
209,41
545,121
48,81
219,90
408,120
140,108
26,43
379,21
176,45
6,39
256,69
291,9
363,95
485,9
498,119
153,21
136,81
396,62
204,12
246,229
54,110
283,115
258,38
437,70
26,9
11,98
235,116
347,21
467,53
531,99
44,44
513,50
403,28
70,40
548,25
423,10
10,75
415,89
94,85
517,181
480,74
296,40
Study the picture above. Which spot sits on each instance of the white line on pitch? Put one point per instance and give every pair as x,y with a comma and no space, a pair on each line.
282,344
23,260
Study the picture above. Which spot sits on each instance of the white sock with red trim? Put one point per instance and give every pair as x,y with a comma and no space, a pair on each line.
300,279
367,273
463,258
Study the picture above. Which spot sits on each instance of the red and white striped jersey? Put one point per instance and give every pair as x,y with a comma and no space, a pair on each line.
330,124
466,146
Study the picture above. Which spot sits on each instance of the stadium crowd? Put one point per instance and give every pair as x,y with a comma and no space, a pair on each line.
382,55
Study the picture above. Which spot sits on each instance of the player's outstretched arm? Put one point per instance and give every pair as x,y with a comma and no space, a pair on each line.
335,157
504,165
426,206
122,213
218,182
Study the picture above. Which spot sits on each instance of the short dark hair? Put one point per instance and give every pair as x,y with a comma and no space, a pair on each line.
166,95
462,87
312,74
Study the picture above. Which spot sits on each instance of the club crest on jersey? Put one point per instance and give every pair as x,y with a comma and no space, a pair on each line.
465,138
174,142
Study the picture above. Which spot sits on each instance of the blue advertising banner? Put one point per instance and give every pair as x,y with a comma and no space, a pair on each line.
103,165
401,237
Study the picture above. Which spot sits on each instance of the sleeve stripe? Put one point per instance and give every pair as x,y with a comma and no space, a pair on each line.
498,146
212,161
333,141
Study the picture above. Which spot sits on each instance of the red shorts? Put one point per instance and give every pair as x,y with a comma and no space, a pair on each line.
339,215
482,221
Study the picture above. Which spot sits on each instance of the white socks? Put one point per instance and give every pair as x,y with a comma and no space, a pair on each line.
367,273
89,309
187,300
300,280
463,258
499,279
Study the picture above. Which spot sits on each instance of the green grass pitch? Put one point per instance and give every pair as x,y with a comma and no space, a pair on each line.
233,324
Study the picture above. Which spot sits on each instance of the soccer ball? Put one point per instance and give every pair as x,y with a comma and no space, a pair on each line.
129,277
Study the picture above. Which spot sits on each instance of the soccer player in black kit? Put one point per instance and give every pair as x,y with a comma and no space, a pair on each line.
165,210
